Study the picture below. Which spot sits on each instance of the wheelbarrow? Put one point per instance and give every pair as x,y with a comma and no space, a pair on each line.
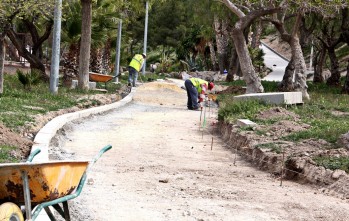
40,185
101,78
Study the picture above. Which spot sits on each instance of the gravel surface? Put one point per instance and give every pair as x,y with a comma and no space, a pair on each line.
162,167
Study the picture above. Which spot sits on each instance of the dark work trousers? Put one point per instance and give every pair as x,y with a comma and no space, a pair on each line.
192,95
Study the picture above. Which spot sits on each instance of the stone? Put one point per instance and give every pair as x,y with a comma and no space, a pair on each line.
245,123
74,84
337,174
274,97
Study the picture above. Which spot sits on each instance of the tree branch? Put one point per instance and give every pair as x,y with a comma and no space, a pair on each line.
233,8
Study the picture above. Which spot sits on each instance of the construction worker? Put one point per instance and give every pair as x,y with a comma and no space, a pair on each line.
134,67
196,90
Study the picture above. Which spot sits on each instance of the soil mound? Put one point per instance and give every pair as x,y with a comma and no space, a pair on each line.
7,137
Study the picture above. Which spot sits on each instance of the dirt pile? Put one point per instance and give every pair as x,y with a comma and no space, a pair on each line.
264,148
8,137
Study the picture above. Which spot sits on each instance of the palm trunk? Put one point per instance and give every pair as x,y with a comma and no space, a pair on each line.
106,58
2,59
85,47
70,64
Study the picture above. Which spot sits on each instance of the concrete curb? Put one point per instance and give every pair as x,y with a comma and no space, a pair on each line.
43,138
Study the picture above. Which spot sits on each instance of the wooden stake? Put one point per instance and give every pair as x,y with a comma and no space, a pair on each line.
282,167
204,123
212,143
236,152
200,118
209,108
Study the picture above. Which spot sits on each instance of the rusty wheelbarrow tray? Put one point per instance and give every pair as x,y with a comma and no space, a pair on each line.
41,185
101,78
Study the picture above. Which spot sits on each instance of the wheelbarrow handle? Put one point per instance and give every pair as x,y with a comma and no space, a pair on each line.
32,155
100,153
78,190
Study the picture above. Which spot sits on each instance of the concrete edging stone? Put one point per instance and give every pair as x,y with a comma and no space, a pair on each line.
43,137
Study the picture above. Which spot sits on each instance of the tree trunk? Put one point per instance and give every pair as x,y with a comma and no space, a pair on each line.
11,50
34,61
222,43
257,33
334,79
253,82
346,83
295,69
85,46
300,68
234,66
319,65
287,81
2,59
213,56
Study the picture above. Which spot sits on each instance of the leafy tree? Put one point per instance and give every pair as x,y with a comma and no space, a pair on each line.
254,11
34,17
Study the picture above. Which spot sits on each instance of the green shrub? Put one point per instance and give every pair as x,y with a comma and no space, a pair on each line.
333,163
272,146
29,79
5,154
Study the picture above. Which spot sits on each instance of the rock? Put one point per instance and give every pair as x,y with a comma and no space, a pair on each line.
163,180
337,174
90,181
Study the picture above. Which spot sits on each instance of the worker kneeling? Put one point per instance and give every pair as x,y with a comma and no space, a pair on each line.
196,90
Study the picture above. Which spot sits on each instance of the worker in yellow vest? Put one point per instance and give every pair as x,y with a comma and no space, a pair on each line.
134,67
196,91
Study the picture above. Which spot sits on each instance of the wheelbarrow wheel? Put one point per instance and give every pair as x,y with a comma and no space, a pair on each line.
10,212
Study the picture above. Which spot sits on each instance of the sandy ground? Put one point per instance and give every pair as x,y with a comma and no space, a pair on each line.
161,167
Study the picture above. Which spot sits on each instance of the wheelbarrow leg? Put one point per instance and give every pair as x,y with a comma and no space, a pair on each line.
49,214
66,211
63,212
27,200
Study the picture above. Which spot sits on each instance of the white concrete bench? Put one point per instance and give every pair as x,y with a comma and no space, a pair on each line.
274,97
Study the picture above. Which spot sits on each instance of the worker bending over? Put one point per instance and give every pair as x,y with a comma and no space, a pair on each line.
134,67
196,90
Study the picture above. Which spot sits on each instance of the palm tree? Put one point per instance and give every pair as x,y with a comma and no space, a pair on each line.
71,33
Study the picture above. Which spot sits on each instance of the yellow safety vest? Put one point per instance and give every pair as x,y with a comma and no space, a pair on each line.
137,62
197,82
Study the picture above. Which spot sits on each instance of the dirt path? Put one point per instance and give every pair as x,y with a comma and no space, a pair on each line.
161,168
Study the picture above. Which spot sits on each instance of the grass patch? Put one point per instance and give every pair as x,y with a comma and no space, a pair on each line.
272,146
318,112
5,154
19,105
333,163
232,110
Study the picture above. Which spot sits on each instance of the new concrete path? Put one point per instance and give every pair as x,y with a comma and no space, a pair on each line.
43,138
